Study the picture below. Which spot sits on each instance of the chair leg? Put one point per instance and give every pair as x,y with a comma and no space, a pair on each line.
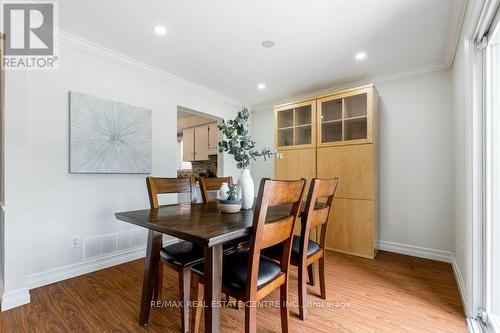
302,289
285,314
310,273
159,283
184,286
198,290
250,318
322,282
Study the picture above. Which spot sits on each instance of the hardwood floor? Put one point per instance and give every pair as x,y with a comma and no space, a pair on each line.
393,293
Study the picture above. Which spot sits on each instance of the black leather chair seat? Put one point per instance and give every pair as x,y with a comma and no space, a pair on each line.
182,254
277,250
186,254
235,270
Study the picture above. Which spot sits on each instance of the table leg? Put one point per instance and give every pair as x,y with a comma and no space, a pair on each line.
151,263
213,286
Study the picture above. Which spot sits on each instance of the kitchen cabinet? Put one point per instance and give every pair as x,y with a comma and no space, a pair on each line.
199,142
213,139
188,144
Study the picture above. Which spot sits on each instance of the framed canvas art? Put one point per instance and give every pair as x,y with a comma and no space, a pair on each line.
108,136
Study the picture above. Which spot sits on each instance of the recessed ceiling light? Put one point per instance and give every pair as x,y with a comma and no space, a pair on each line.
261,86
268,44
360,56
160,30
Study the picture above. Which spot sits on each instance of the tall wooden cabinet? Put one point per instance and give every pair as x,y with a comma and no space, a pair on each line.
336,136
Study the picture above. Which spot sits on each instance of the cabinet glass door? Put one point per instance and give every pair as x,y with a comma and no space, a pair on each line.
285,128
295,125
343,118
331,121
303,125
355,119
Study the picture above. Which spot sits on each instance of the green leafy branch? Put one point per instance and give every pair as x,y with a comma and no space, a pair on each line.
238,143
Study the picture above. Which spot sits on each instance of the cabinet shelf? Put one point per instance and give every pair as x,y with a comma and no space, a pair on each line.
331,121
360,118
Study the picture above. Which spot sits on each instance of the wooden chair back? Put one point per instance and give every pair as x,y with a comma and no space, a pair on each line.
318,209
169,185
265,234
212,184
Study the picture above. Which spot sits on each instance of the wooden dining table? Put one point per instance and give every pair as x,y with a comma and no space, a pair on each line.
202,224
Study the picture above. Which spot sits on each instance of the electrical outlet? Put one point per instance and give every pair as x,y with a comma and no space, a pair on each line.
75,242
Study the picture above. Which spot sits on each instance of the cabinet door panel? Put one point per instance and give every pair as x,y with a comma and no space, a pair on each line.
296,164
351,227
213,139
188,144
201,143
353,165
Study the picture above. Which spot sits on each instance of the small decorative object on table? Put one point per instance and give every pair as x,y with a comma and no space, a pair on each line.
238,143
231,204
223,191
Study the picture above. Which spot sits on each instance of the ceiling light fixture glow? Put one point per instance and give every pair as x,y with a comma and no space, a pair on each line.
268,44
160,30
261,86
360,56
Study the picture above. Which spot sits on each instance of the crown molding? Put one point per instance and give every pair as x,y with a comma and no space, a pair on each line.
98,50
455,30
375,80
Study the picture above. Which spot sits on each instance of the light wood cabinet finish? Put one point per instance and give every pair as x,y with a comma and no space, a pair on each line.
354,165
213,139
201,143
188,144
352,227
296,164
345,146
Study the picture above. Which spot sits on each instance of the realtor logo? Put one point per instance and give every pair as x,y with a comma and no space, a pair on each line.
29,34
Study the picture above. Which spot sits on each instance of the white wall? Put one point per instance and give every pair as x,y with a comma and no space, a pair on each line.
416,160
463,223
45,205
463,157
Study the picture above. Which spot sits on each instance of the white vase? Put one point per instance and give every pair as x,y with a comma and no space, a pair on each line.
247,191
223,191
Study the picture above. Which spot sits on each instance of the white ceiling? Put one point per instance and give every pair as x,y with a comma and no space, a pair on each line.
217,43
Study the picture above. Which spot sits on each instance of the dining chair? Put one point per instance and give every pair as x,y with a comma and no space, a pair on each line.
249,276
305,252
180,256
212,184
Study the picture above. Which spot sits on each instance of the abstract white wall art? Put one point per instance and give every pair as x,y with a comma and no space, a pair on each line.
108,136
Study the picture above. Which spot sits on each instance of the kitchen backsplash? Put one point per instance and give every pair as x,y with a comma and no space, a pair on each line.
201,167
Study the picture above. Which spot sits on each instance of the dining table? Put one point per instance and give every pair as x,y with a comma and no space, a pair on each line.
202,224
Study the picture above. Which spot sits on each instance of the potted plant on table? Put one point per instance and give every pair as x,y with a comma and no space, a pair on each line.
231,202
238,143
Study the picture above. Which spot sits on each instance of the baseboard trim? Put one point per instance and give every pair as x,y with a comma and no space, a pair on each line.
15,298
21,296
67,272
416,251
461,286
